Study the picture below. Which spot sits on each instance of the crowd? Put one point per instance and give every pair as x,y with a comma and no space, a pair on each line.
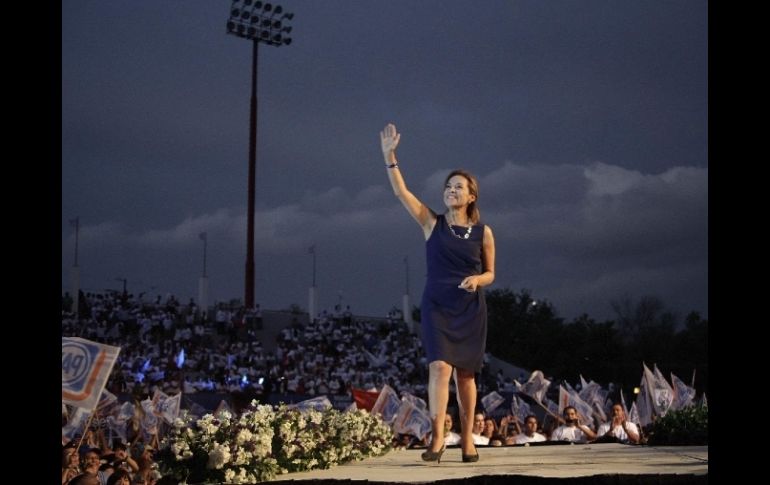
174,347
570,427
96,463
170,347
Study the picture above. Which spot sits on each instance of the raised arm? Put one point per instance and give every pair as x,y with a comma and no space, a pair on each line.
389,139
590,435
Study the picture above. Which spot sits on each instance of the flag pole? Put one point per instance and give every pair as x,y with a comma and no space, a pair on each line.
83,434
558,418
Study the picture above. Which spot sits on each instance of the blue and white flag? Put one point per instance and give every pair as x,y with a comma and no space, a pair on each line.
411,419
108,402
416,401
169,408
683,394
536,386
662,392
387,404
520,408
318,403
85,368
75,425
492,401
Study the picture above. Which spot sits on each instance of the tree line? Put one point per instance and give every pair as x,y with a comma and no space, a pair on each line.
529,334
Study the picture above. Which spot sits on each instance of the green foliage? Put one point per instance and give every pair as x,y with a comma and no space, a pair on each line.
688,426
520,326
529,333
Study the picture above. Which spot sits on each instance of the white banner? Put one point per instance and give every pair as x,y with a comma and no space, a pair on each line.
85,368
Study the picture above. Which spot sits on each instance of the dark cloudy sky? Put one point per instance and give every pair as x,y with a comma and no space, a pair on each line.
584,120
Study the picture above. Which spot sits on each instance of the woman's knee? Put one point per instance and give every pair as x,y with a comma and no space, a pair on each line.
441,368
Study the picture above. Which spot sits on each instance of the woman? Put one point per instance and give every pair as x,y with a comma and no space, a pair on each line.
460,254
70,464
491,432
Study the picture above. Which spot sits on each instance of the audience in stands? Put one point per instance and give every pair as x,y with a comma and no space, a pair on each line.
327,356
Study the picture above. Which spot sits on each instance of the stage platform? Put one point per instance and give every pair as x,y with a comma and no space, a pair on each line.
606,463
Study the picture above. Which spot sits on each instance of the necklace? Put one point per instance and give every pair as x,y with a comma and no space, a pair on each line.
464,236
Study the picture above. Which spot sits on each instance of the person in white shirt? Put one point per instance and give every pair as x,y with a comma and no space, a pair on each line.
529,434
572,429
478,428
619,427
450,437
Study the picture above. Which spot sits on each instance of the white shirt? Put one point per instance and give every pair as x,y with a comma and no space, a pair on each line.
569,433
522,438
618,431
451,438
479,439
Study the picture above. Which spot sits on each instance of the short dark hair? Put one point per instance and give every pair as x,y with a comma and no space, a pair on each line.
83,479
84,452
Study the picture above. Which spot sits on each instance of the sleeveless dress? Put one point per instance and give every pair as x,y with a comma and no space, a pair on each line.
453,321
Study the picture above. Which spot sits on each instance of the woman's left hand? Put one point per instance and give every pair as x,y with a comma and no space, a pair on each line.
470,284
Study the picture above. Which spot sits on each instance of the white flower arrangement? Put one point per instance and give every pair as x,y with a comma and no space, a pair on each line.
266,441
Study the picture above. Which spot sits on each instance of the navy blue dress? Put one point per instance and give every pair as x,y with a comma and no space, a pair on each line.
453,321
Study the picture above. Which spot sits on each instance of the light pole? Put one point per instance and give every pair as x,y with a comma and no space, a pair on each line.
204,237
76,271
203,282
406,274
76,222
312,251
311,307
257,22
125,286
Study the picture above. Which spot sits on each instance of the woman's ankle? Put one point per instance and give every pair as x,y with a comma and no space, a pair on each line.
436,444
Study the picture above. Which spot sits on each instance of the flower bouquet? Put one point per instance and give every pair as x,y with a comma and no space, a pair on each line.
266,441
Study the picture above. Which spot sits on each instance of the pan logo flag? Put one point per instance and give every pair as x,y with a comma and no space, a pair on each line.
85,368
